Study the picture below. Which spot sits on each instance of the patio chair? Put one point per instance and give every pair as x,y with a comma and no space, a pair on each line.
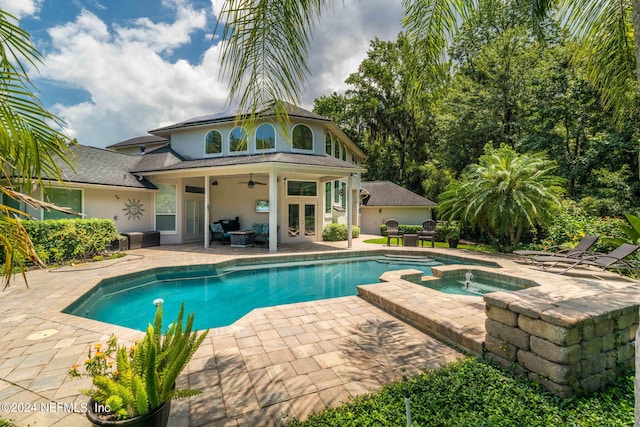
261,235
581,249
393,231
216,232
428,232
612,260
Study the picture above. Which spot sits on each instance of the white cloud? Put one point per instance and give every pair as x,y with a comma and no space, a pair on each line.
134,88
21,8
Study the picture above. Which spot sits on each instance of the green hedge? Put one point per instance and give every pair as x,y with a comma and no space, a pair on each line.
63,240
441,230
336,232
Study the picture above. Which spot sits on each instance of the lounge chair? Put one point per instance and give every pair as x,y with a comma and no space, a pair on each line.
393,231
612,260
581,249
428,232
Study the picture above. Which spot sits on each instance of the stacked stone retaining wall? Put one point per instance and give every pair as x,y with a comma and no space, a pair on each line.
568,345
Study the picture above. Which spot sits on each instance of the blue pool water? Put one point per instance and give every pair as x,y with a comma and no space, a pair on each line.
219,297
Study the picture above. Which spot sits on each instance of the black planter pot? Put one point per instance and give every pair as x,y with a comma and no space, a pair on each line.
158,417
453,243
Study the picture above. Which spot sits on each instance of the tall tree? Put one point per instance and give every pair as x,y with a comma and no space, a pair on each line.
390,114
29,144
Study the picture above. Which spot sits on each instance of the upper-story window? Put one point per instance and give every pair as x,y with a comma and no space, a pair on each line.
328,144
336,151
213,142
343,152
238,140
265,137
302,138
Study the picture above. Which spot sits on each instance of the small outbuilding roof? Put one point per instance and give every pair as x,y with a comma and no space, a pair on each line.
386,193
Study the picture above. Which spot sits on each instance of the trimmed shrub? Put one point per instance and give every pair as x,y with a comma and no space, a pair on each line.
336,232
62,240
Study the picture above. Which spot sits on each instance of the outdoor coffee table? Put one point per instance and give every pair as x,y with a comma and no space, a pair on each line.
241,238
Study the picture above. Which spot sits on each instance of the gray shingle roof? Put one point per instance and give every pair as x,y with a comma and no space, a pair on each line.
104,167
165,159
225,116
386,193
140,140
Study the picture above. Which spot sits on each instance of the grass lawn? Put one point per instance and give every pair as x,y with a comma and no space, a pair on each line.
473,392
383,241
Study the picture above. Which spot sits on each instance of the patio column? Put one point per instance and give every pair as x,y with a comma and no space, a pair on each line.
207,195
349,206
273,212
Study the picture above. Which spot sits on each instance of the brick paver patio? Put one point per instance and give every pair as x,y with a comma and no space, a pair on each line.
273,364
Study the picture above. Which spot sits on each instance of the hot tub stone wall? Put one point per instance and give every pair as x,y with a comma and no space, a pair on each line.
567,345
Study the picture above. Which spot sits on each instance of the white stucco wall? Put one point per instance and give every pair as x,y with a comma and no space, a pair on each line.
112,204
372,217
230,199
190,142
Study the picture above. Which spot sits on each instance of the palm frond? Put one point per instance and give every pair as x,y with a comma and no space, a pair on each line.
603,33
265,49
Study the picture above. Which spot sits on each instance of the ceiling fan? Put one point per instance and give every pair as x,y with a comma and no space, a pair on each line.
251,183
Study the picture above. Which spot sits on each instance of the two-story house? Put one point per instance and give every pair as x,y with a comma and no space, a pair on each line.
297,177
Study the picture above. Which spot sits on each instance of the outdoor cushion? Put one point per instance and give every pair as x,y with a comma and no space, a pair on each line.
216,228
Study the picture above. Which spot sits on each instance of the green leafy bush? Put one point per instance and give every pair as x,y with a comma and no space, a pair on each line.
336,232
568,228
61,240
403,228
472,392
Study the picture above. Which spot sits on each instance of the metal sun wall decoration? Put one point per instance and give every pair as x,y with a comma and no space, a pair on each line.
133,209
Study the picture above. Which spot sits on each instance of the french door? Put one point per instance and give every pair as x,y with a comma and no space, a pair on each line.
194,219
301,222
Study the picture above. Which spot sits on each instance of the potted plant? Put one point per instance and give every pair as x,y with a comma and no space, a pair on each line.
134,386
453,236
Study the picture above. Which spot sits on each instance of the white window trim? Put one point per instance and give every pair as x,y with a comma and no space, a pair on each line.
286,190
204,145
237,153
275,140
303,150
155,212
81,213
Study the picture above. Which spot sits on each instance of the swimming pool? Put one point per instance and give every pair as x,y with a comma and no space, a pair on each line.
220,295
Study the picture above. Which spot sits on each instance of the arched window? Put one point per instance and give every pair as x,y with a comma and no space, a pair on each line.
302,138
238,140
344,152
265,137
336,151
213,142
328,144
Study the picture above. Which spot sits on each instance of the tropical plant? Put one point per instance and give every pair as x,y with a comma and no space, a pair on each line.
133,381
504,195
28,142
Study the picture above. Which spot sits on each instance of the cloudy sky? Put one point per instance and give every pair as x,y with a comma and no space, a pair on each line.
115,69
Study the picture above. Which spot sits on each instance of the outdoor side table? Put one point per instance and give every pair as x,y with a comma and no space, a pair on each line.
410,240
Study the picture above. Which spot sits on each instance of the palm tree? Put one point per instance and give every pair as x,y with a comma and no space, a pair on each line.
29,144
504,195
